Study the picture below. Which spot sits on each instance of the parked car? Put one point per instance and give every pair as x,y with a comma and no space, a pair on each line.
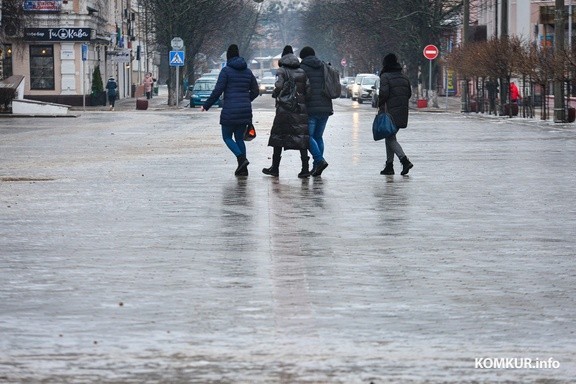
356,87
213,73
376,93
347,83
267,84
365,88
201,90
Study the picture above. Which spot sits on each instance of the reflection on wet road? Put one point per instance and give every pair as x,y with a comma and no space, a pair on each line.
140,258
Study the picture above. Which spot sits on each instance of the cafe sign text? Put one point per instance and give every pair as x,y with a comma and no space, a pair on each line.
57,34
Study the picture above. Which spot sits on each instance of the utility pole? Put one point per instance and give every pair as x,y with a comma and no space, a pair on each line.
505,83
559,112
496,18
465,39
504,32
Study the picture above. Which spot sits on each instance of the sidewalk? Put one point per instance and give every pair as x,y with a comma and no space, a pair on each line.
158,102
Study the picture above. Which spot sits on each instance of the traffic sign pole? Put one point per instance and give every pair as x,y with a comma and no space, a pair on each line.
430,52
177,86
84,49
177,44
430,76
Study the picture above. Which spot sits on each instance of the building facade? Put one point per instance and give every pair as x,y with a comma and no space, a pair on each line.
530,20
57,46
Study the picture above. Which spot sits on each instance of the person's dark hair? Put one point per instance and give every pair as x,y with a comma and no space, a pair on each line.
232,51
287,49
390,63
389,60
307,51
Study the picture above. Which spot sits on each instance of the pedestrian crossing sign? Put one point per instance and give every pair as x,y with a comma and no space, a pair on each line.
176,58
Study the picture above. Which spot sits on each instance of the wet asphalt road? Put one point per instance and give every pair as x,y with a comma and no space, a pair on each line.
129,252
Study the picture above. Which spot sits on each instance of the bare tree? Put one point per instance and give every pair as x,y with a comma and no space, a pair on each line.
202,24
363,31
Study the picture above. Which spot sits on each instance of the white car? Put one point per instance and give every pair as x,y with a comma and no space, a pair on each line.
359,87
367,88
267,84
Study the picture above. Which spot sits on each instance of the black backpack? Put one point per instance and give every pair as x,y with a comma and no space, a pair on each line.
332,87
288,97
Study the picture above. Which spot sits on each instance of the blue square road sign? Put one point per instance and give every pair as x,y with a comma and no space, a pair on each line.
176,58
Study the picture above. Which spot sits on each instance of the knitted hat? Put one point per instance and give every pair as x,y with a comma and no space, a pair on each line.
232,52
307,51
287,49
390,60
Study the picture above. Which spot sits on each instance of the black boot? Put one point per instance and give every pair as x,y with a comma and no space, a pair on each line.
304,173
406,165
274,169
319,168
242,169
388,169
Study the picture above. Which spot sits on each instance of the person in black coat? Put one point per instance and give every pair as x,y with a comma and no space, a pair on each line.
290,127
395,93
111,87
240,88
319,107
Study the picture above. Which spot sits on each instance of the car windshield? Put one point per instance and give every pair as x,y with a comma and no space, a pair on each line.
369,80
269,80
204,86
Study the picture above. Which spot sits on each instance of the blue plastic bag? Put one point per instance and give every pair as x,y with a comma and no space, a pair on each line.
383,126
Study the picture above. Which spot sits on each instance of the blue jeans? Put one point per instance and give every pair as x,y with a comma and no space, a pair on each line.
236,145
316,126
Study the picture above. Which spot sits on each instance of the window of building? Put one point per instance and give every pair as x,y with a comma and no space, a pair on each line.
41,67
6,61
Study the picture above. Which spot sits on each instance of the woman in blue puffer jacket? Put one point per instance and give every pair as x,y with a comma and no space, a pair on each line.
240,88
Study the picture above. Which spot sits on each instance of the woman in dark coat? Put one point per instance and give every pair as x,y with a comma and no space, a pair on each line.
240,88
111,87
395,93
290,128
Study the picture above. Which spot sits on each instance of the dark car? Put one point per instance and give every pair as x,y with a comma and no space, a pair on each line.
201,90
347,83
376,93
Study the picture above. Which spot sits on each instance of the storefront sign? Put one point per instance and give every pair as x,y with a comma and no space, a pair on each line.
119,56
57,34
42,5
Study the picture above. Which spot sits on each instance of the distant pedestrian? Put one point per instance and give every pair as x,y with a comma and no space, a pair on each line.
395,93
290,127
318,106
111,87
514,93
492,87
240,88
148,83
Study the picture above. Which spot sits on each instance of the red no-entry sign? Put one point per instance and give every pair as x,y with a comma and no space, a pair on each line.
430,52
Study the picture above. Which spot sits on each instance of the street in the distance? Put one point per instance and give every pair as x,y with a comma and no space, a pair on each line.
130,253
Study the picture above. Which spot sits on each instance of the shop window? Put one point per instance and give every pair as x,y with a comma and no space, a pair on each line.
6,62
41,67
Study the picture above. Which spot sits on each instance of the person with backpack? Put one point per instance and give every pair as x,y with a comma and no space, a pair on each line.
395,92
318,106
239,86
290,127
111,87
